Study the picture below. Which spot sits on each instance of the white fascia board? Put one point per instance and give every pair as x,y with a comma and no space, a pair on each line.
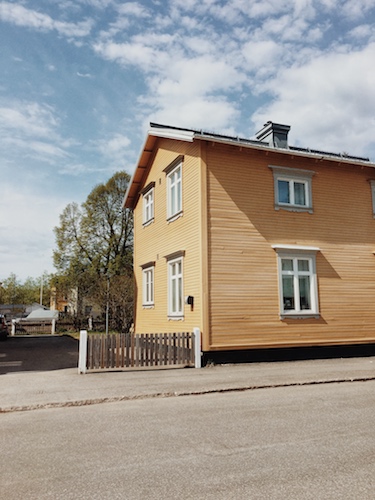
298,248
290,152
180,135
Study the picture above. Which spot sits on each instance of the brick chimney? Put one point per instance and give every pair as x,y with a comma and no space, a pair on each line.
275,134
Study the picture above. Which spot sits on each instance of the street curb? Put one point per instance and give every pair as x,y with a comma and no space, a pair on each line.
117,399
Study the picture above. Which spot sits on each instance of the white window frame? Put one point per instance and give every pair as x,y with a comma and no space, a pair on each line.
372,184
148,288
148,205
296,253
292,176
175,288
174,192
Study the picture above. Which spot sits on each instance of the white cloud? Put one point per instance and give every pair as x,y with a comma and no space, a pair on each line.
262,54
133,9
30,129
287,28
126,53
73,169
329,101
30,118
178,83
203,75
26,230
98,4
115,149
21,16
200,112
363,31
288,49
357,9
127,12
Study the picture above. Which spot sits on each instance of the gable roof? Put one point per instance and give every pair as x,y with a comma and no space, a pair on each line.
184,134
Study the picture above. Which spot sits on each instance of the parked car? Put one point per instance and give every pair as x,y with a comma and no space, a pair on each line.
3,328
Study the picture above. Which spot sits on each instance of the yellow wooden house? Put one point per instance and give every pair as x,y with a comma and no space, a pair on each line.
257,243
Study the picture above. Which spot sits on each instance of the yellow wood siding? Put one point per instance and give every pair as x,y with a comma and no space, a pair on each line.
243,225
227,229
161,238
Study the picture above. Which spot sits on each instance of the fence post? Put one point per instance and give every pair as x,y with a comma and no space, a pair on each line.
13,327
53,327
197,348
82,361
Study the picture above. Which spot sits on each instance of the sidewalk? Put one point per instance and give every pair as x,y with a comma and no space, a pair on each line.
21,391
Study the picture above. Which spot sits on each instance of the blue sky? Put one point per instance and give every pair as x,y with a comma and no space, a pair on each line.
81,80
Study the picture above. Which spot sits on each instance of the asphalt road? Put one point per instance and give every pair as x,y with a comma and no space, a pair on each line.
38,353
308,442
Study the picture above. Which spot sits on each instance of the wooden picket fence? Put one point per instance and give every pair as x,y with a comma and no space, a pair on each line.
125,350
25,327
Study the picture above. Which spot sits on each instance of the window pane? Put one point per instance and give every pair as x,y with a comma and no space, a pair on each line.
287,264
288,293
176,305
151,286
175,196
299,193
178,197
148,283
179,299
173,296
173,199
304,292
283,191
148,206
303,265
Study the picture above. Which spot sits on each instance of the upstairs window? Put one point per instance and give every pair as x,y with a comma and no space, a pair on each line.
148,203
292,192
372,184
292,189
175,192
174,188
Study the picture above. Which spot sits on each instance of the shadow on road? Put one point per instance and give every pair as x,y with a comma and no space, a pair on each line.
38,353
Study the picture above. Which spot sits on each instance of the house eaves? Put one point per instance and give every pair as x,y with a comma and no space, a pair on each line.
164,131
138,178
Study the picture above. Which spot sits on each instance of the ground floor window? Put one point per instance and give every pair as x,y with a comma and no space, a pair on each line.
148,286
297,282
175,288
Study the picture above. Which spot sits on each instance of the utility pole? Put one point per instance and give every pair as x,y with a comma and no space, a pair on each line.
41,291
107,309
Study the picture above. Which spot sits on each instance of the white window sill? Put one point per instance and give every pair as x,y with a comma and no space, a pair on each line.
176,318
294,208
148,306
175,216
299,315
147,223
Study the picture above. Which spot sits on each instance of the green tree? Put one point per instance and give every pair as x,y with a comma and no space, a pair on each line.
95,243
13,291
